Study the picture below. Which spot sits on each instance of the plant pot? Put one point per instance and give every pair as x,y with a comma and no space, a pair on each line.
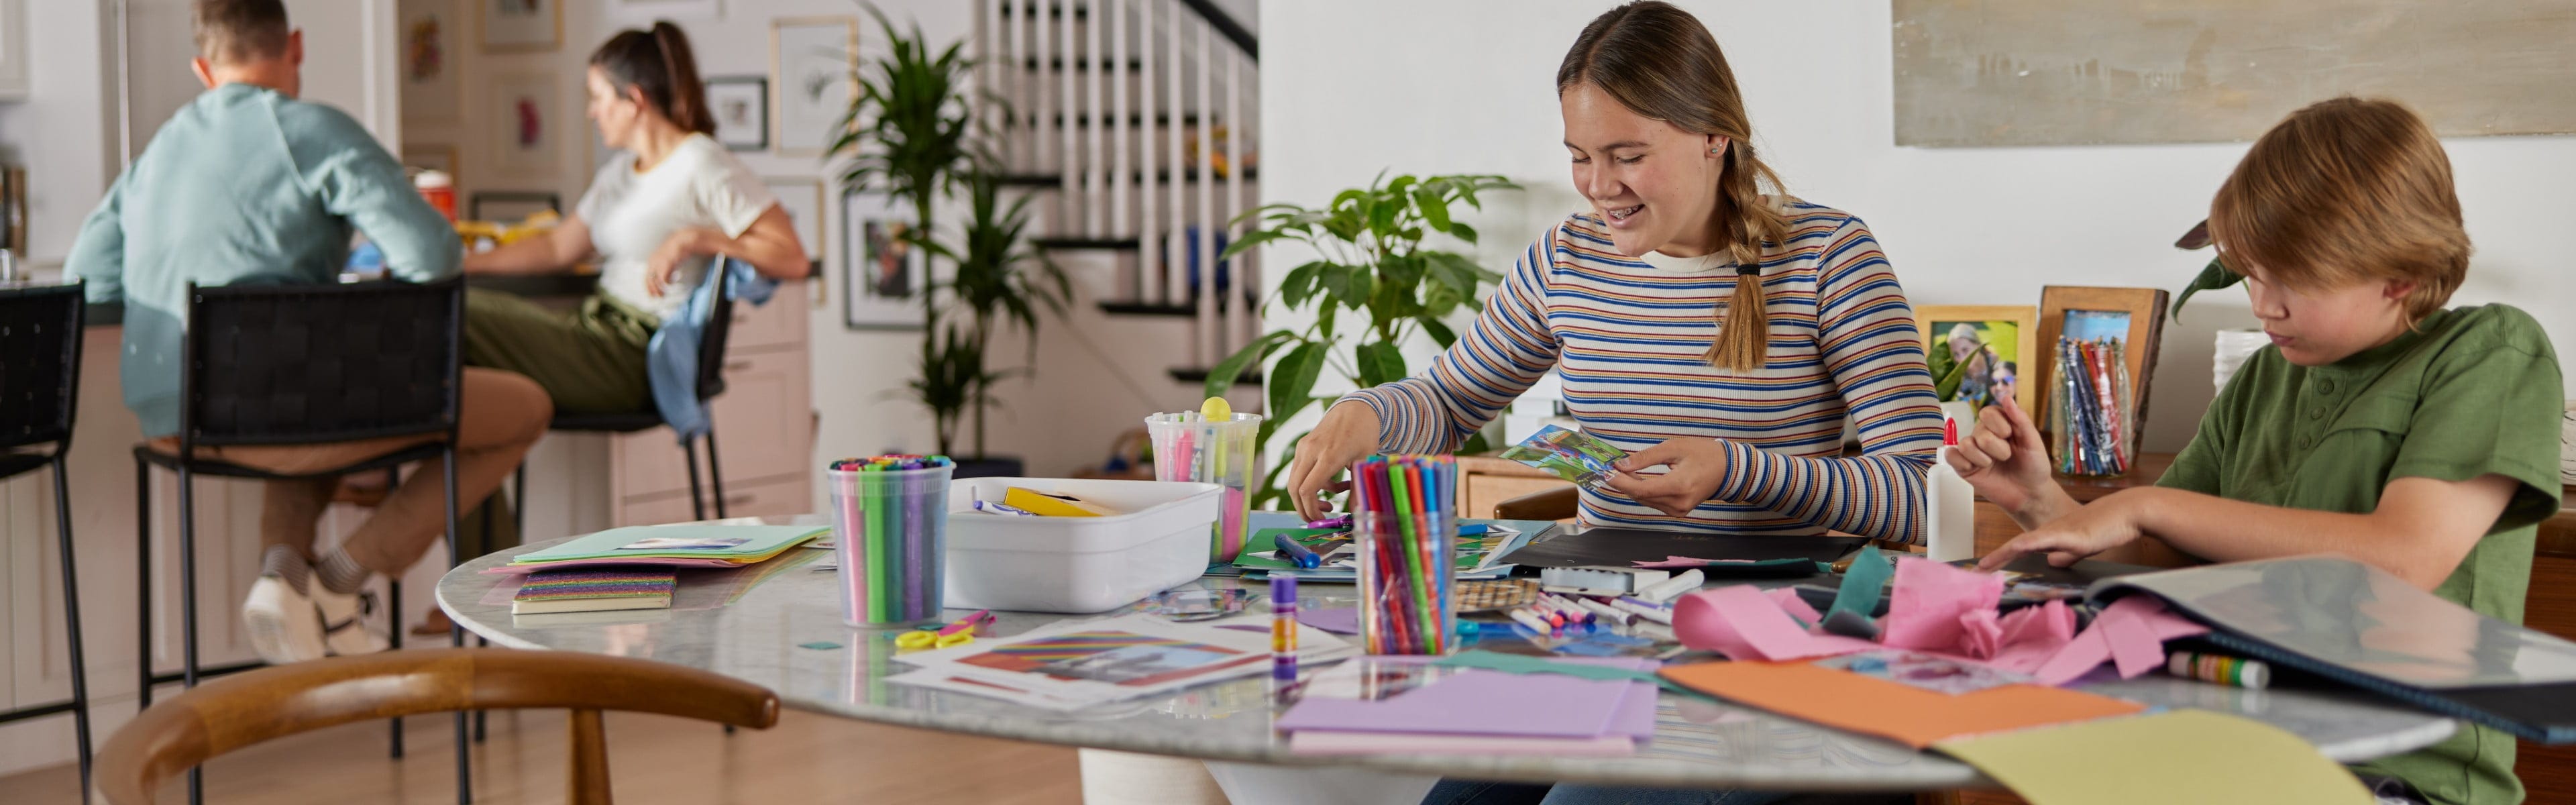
2233,349
989,467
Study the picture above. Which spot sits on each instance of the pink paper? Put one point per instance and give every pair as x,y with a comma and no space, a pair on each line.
1742,623
1981,635
1481,702
1795,606
2132,629
1337,620
1929,600
2032,635
1687,562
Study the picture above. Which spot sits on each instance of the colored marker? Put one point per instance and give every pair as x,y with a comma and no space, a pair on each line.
1532,621
2219,668
1297,553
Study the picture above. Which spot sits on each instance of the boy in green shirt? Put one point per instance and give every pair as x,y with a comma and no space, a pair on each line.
246,185
2379,426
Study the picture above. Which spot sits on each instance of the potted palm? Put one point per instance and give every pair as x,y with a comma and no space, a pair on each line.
1000,280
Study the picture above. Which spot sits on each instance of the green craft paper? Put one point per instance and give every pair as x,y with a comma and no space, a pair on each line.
1863,583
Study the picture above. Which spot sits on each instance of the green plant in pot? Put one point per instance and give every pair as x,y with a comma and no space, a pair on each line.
1000,280
1371,263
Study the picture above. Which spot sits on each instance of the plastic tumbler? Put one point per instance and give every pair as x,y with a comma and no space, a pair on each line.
1191,447
1408,547
890,533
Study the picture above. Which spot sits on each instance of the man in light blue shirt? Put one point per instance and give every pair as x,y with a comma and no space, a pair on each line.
246,185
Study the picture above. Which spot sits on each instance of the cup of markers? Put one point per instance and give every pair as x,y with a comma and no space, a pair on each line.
1407,542
890,532
1217,446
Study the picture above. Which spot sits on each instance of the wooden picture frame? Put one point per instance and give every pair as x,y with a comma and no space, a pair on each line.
1944,321
524,26
810,88
432,92
524,113
2143,311
883,276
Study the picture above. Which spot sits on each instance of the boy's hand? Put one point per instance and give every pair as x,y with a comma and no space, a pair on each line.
2002,456
2104,524
1698,465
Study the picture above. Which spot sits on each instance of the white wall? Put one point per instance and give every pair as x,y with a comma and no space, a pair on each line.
1451,86
64,132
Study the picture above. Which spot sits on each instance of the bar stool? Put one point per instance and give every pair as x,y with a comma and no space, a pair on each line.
40,347
305,364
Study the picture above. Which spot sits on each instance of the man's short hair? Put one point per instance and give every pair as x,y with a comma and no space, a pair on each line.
237,31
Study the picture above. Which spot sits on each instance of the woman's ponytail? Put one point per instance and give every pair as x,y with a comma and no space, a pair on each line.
688,107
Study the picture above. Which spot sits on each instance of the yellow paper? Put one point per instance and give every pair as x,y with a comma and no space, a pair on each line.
2176,756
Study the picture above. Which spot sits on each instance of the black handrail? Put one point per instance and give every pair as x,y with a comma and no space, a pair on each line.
1226,26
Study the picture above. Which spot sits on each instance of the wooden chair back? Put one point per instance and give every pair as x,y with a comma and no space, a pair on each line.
243,709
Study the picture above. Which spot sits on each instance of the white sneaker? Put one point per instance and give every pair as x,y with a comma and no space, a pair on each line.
282,624
344,622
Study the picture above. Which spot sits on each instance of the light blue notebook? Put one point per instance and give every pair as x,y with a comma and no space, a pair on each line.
759,542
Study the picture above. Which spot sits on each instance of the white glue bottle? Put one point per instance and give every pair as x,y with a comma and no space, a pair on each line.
1950,505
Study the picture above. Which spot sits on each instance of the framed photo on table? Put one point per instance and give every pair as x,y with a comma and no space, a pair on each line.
430,88
2134,317
527,124
814,63
1976,349
883,276
521,26
740,105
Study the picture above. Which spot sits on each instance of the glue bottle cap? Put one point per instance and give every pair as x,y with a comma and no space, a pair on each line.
1949,431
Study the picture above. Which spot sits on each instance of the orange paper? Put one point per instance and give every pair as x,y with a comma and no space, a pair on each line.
1907,714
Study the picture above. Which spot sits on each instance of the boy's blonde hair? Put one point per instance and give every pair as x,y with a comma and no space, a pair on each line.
2346,190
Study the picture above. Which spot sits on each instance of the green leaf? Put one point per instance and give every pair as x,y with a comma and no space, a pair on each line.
1291,382
1440,333
1255,238
1222,377
1380,363
2212,277
1301,282
1462,231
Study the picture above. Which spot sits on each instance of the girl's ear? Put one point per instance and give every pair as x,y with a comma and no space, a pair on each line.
1717,144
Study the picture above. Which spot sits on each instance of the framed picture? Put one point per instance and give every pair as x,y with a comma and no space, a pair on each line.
430,89
423,156
813,63
644,12
2132,316
802,198
527,124
1977,349
884,275
521,26
741,108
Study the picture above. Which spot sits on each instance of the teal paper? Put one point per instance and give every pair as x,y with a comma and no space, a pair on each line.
1863,583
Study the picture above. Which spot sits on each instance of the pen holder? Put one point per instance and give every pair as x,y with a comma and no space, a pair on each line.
1214,451
1408,547
890,532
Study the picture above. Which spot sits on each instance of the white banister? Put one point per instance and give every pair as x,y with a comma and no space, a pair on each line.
1149,257
1119,223
1211,338
1176,263
1240,273
1069,156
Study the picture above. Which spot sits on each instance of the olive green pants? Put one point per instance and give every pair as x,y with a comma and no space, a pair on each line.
590,360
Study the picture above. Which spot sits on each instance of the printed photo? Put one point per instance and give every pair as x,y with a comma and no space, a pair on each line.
2091,326
1972,359
1115,657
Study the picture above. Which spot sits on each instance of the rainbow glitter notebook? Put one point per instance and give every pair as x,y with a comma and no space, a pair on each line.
598,590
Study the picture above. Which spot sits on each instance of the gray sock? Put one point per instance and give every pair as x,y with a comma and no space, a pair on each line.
280,562
341,574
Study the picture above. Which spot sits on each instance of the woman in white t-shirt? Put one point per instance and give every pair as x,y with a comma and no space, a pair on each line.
653,217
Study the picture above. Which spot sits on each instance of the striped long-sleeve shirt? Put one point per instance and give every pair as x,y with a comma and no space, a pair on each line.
1627,337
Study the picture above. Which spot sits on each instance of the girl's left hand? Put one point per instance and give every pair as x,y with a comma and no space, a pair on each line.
1698,464
664,265
2104,524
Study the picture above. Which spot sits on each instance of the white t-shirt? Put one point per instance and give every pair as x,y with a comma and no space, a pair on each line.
631,214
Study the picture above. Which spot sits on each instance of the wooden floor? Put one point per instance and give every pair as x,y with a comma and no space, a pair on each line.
807,758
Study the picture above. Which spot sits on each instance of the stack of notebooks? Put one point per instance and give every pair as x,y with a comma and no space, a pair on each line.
695,545
595,590
1475,703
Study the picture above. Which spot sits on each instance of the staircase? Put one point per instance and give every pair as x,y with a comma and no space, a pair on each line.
1134,118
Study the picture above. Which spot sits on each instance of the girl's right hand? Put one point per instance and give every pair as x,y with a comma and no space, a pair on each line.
1347,434
2003,458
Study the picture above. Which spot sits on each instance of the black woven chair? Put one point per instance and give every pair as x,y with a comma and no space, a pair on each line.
40,347
710,382
305,364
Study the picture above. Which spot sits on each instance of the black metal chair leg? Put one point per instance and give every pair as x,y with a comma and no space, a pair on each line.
455,631
697,494
71,619
188,611
519,501
393,640
143,581
715,475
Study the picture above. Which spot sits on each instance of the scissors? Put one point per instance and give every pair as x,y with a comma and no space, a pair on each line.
958,633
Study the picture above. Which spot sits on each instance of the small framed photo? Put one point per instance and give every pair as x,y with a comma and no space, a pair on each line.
644,12
527,123
884,276
814,63
431,91
1976,350
802,198
2131,317
740,105
521,26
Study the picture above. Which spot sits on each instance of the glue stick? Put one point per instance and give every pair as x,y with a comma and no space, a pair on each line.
1950,503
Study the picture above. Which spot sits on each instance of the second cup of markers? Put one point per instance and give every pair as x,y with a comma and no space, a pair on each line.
1407,542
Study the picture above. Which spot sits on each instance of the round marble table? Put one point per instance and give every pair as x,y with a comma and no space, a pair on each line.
779,625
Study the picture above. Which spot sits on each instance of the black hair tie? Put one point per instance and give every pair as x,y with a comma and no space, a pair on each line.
1745,270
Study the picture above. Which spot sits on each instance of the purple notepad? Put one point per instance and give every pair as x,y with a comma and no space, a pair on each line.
1481,702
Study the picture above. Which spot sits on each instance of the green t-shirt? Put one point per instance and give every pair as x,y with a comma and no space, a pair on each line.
2469,392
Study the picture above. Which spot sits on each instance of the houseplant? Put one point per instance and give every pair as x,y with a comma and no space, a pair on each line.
999,280
1370,261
